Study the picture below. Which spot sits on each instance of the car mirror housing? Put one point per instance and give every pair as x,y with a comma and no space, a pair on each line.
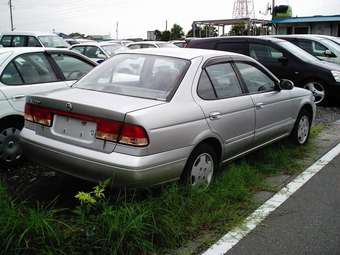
286,84
283,59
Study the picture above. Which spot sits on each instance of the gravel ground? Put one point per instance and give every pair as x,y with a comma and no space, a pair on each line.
31,182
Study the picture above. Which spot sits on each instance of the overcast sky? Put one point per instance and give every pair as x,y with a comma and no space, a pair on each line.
135,16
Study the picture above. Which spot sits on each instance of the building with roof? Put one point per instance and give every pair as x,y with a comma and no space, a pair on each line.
324,25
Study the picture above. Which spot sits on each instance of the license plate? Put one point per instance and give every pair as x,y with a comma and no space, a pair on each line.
74,128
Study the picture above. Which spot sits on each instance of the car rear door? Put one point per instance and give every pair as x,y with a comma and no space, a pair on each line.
228,111
28,74
273,107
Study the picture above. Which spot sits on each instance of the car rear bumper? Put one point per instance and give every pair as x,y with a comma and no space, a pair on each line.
125,170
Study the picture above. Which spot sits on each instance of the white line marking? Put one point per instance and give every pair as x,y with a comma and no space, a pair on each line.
234,236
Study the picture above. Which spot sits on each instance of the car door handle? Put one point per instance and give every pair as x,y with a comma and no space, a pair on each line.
215,115
259,105
17,97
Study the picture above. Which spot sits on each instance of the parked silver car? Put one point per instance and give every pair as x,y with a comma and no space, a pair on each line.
152,116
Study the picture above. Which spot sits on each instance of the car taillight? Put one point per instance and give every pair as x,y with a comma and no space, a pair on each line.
108,129
133,135
38,115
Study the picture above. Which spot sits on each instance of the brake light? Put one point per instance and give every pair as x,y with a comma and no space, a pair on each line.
38,115
108,129
133,135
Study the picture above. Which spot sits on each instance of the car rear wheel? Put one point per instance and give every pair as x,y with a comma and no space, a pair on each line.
319,91
300,134
200,167
10,148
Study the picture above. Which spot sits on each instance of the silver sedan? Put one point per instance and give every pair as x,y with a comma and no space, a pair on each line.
152,116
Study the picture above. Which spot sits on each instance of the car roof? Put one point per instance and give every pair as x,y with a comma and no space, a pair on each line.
21,50
184,53
31,33
148,42
254,38
303,36
94,44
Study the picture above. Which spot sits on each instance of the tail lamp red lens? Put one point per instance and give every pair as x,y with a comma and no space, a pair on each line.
108,130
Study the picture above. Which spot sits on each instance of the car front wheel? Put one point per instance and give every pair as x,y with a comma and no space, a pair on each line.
200,167
319,91
301,132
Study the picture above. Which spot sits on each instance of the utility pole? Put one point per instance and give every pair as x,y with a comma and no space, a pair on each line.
11,13
166,25
117,29
273,5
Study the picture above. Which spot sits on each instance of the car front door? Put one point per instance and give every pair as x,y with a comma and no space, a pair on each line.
228,111
273,107
28,74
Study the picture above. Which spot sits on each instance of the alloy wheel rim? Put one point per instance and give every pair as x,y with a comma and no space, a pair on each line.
202,170
10,149
318,91
303,129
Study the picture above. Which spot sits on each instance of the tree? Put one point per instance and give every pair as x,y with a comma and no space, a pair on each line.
205,31
158,35
165,36
76,35
238,29
176,32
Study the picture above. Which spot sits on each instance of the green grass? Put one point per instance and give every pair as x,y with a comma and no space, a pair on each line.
149,224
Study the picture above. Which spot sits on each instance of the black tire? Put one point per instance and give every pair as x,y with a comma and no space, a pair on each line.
203,150
10,148
300,137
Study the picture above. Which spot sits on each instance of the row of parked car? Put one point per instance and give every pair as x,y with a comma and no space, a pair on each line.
149,116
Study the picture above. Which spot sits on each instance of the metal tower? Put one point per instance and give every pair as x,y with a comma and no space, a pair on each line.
244,9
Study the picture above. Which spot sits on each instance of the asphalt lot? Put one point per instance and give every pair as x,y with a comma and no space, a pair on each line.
307,223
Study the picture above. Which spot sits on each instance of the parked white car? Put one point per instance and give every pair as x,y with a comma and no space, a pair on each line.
32,39
150,44
99,52
27,71
121,42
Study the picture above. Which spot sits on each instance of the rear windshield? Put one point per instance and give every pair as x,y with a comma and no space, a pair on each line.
53,41
137,75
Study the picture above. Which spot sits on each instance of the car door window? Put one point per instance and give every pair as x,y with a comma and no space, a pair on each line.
72,68
18,41
255,80
205,89
224,80
79,49
236,47
33,42
6,41
34,68
264,53
146,46
93,52
11,76
135,46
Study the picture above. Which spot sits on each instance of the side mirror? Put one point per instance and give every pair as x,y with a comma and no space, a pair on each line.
99,61
283,59
286,84
329,54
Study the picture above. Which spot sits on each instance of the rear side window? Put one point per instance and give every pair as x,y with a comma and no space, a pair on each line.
11,76
135,46
19,41
205,89
256,80
264,53
224,80
6,41
34,68
236,47
33,42
146,46
312,47
71,67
